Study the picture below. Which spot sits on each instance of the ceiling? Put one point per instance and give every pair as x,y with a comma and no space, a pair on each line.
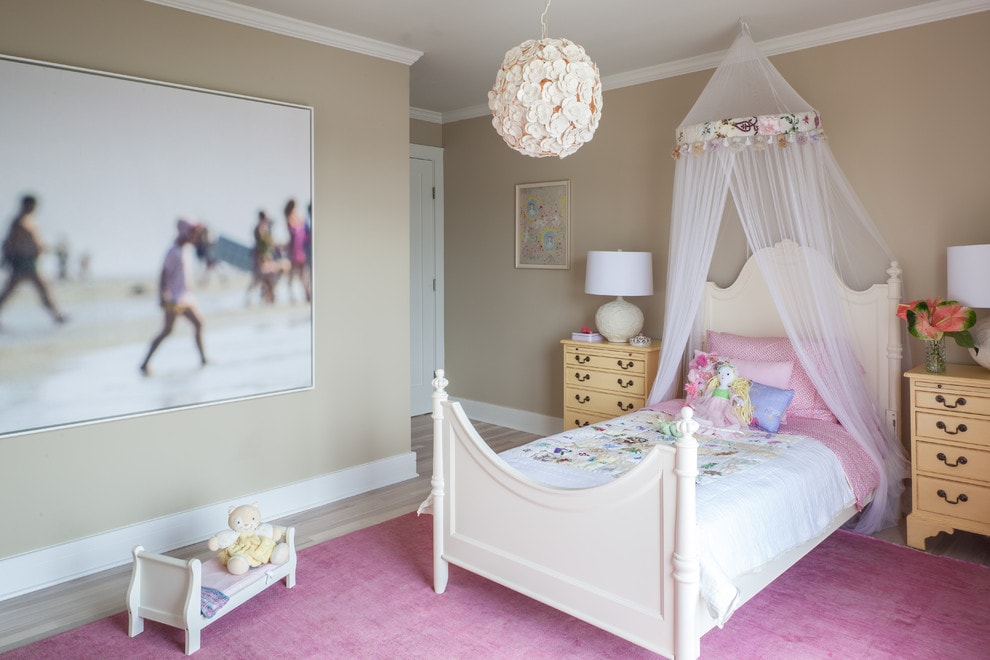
456,46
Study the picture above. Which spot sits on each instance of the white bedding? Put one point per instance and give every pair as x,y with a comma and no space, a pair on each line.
758,496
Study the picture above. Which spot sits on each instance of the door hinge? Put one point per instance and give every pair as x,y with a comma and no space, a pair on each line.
434,192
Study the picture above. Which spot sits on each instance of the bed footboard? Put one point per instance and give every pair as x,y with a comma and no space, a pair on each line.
169,591
613,555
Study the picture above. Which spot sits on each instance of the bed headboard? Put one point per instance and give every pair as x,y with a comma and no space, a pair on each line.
745,308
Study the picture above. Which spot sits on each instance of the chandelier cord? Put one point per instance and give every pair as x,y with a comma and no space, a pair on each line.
543,18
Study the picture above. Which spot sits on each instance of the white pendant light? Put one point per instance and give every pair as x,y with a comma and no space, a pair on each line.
547,97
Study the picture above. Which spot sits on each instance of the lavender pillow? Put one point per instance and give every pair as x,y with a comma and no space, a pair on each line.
769,404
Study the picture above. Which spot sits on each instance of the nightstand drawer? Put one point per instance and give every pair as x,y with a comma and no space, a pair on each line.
610,405
930,396
577,418
952,498
950,452
616,360
957,428
953,461
625,383
604,380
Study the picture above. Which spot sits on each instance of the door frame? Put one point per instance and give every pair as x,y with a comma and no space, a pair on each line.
435,155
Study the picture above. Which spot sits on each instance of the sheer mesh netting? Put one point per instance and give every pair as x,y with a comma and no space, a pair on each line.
752,139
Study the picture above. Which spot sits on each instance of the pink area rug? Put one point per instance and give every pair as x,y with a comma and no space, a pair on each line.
369,595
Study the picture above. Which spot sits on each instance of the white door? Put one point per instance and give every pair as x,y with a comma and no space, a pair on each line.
425,272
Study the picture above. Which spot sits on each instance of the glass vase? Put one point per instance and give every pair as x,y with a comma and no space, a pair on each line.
935,356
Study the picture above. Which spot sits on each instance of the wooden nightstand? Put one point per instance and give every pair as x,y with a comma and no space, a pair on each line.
603,380
950,452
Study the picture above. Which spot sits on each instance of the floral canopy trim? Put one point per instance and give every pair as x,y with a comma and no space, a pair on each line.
756,132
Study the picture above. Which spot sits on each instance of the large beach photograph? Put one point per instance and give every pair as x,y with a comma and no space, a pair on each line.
156,246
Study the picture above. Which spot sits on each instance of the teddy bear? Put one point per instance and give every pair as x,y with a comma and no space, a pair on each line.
249,542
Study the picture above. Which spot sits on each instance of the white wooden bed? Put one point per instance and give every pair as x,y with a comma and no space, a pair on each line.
559,546
169,590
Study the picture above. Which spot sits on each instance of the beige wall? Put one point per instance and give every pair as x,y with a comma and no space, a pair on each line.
428,134
894,106
67,484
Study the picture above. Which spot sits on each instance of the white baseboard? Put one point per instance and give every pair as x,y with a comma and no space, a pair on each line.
50,566
520,420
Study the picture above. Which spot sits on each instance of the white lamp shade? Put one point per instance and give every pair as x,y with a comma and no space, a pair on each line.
619,273
969,274
969,284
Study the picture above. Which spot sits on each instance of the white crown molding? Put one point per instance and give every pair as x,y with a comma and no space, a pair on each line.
895,20
467,113
426,115
290,27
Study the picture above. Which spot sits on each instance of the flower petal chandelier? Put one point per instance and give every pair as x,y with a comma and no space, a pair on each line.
547,97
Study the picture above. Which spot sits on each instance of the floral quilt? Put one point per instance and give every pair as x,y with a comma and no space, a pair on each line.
618,446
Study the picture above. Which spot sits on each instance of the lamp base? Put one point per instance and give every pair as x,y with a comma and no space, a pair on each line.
619,320
981,337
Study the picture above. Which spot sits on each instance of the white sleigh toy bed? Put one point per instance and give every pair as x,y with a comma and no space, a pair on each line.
191,594
624,556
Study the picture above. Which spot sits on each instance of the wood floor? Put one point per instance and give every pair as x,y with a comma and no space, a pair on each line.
46,612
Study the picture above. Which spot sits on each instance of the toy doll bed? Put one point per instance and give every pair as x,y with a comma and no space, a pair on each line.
624,556
191,594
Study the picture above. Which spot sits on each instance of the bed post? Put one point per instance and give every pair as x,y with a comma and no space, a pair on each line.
895,351
686,572
440,570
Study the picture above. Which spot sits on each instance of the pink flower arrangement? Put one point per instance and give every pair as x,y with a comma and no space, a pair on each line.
932,320
700,371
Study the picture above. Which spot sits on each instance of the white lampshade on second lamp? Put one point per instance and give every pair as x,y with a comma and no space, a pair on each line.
969,284
619,274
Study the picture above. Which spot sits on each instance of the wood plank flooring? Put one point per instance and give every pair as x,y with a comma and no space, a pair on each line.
47,612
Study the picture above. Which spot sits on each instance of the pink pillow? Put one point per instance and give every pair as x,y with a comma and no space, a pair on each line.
807,402
774,374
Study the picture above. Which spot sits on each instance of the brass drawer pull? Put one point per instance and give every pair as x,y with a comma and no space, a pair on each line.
578,422
625,408
959,461
580,360
625,385
960,428
627,365
962,497
577,397
959,402
580,377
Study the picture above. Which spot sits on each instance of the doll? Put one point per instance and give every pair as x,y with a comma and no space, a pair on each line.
725,401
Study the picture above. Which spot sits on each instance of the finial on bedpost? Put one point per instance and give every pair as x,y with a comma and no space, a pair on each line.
440,383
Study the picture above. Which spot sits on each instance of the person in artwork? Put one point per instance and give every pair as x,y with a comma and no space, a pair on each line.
21,249
266,268
296,249
175,289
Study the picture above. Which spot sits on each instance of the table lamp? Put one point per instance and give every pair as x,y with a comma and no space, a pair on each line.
969,284
619,274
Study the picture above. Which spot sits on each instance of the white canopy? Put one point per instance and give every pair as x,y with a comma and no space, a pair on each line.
750,137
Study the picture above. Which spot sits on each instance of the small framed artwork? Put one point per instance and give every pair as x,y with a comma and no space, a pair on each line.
543,222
